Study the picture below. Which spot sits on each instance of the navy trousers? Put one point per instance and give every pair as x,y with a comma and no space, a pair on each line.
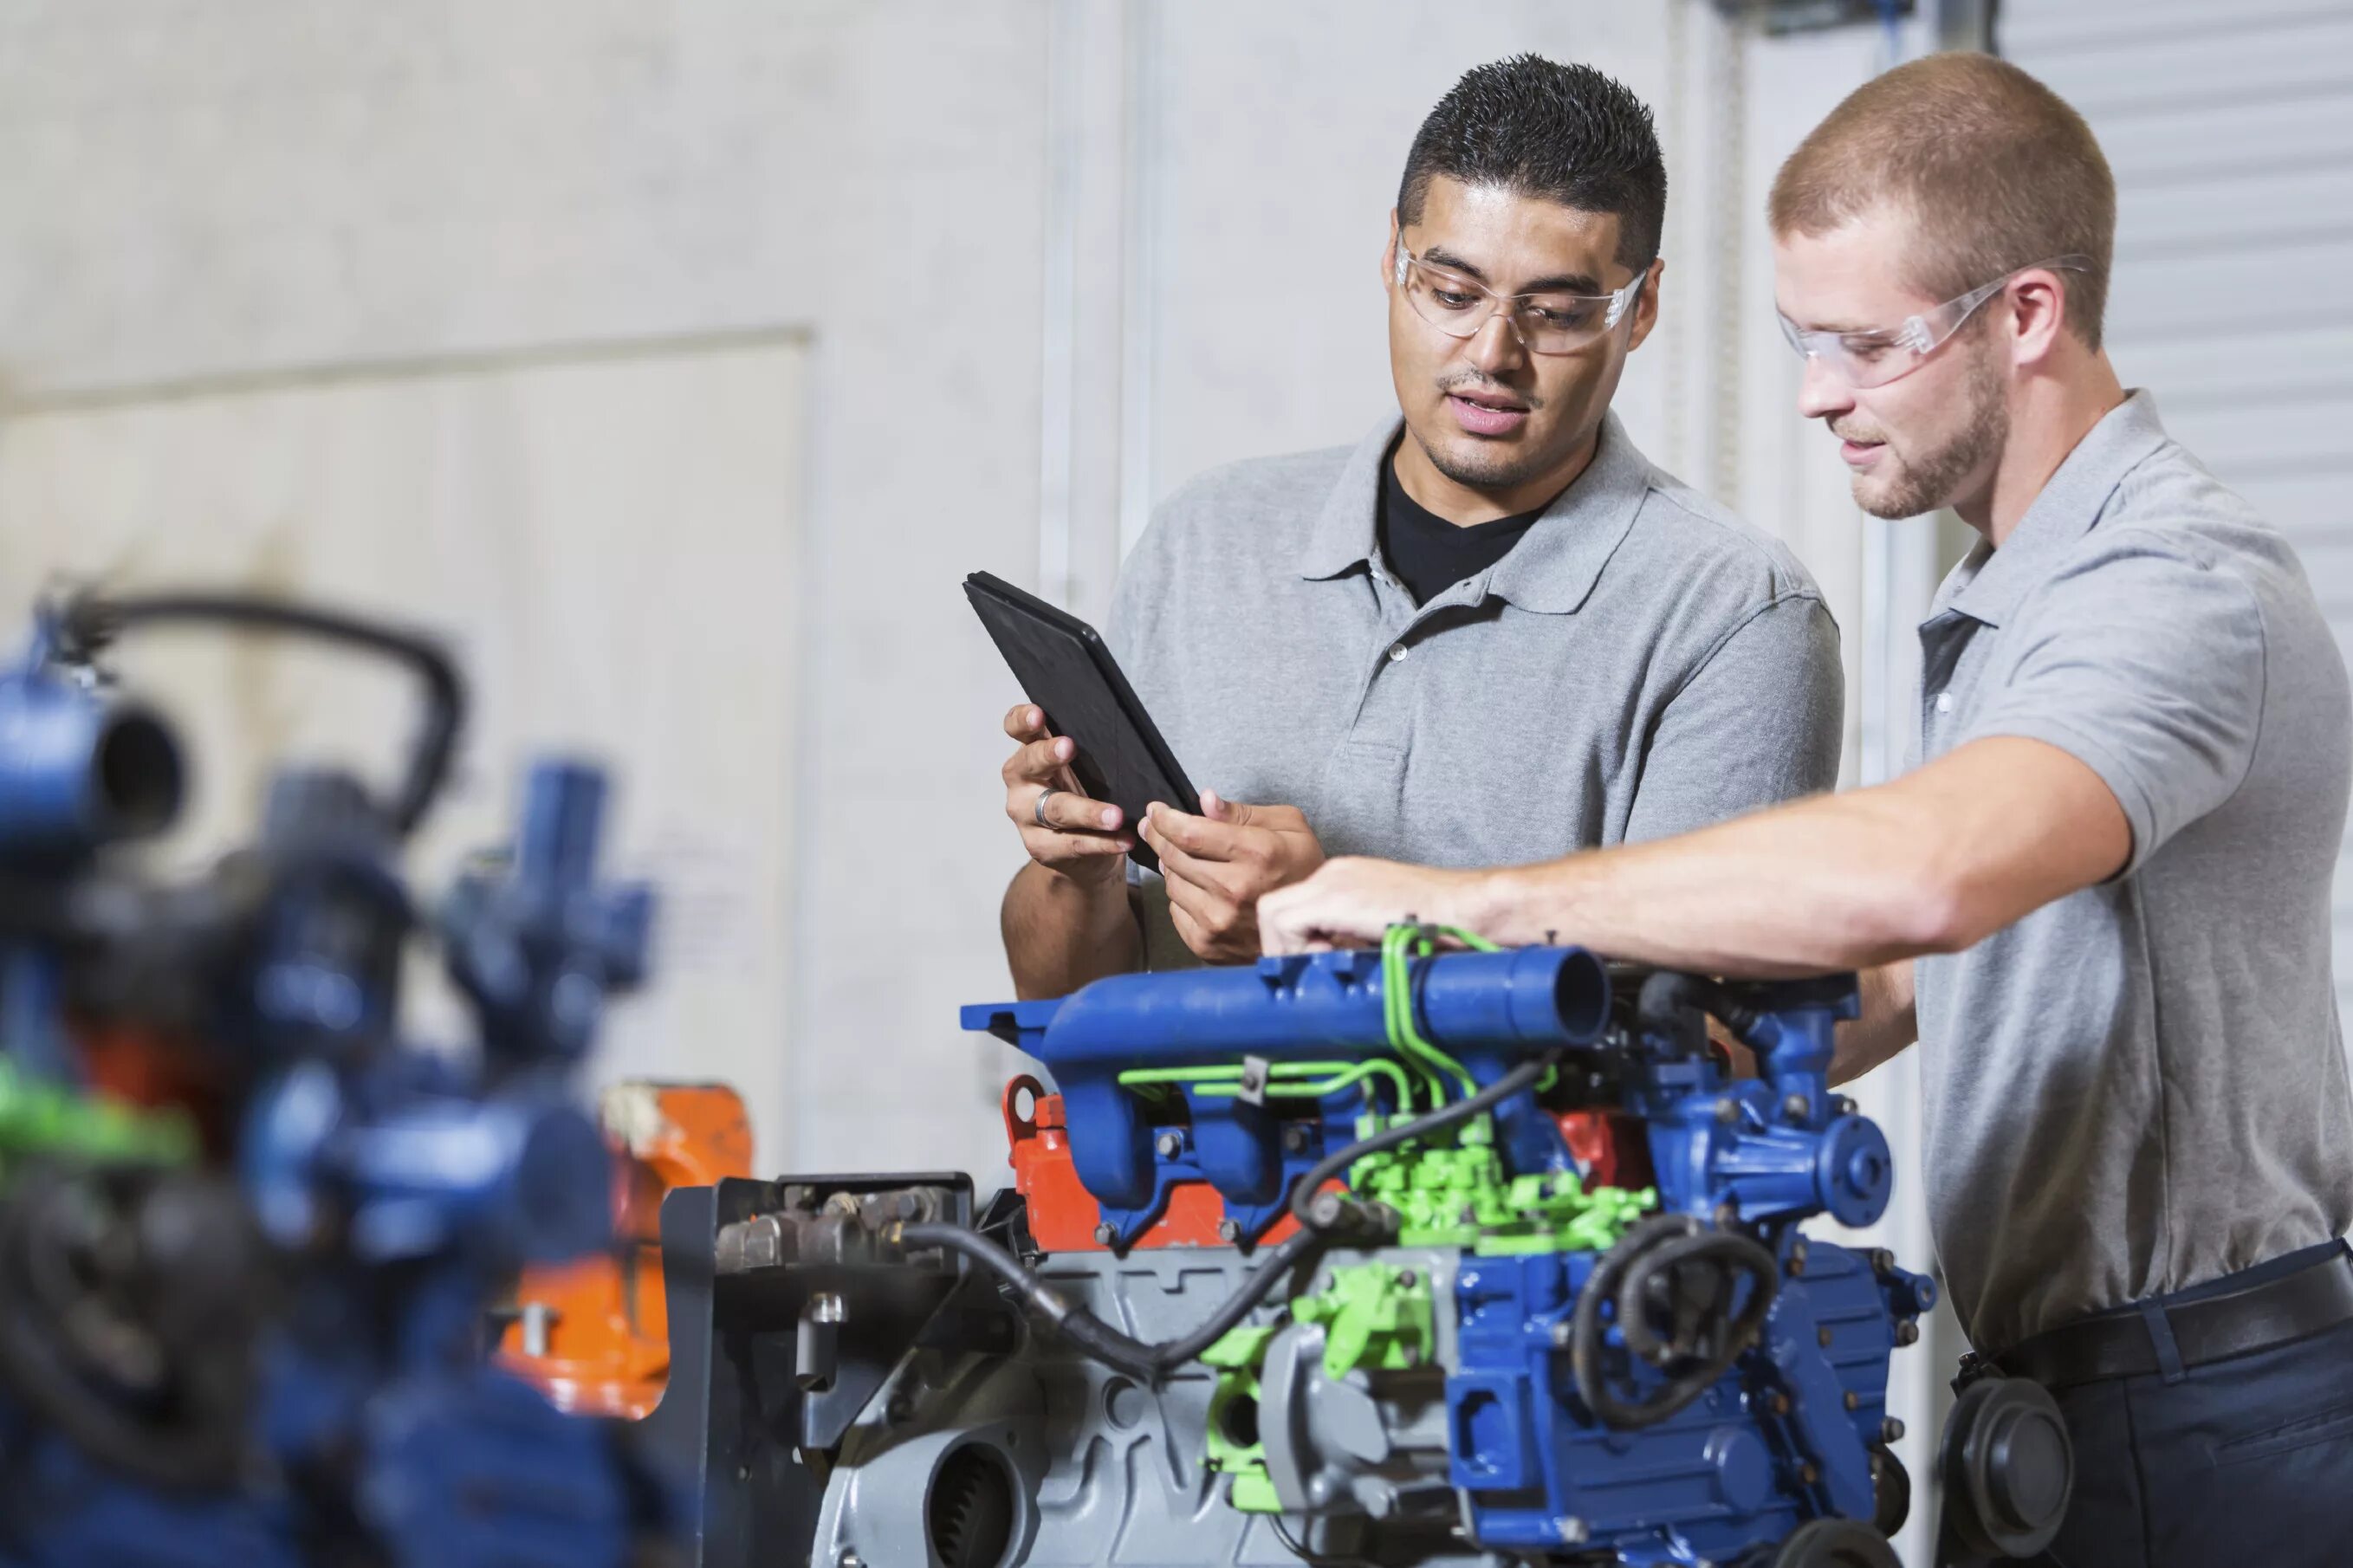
2244,1463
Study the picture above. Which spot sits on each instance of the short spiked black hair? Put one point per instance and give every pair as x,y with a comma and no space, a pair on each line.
1566,133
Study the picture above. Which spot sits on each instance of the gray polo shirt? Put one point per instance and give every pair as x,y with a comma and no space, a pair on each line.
1640,664
2141,1087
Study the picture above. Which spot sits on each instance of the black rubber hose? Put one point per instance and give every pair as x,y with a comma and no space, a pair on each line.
92,622
1303,1192
1660,1242
1091,1333
1667,990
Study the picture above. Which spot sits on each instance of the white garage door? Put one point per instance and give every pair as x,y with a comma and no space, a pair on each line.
2230,131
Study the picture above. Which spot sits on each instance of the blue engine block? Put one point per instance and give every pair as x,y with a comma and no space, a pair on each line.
1791,1426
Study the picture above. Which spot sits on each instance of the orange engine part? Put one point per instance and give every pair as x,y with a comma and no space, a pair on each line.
1063,1215
1613,1150
594,1335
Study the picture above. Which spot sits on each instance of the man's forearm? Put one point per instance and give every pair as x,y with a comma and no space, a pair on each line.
1887,1025
1833,883
1061,934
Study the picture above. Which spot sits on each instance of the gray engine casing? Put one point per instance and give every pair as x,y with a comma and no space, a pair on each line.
1045,1459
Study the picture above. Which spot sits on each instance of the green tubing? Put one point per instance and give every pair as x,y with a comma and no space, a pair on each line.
1348,1073
1399,947
1223,1081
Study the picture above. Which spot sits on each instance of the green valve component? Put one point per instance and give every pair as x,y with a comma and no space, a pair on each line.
1234,1445
41,1120
1455,1193
1376,1316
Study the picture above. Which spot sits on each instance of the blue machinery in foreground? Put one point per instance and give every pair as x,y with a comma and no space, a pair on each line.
249,1226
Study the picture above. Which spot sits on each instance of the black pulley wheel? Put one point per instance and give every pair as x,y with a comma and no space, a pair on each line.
1891,1490
1837,1543
2008,1468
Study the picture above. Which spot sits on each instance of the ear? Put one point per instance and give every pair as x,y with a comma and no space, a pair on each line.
1646,305
2038,302
1389,253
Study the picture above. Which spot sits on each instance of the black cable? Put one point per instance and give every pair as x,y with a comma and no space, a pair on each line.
1621,1278
1091,1333
1303,1193
89,623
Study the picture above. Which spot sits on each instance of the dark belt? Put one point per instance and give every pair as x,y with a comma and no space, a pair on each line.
2208,1329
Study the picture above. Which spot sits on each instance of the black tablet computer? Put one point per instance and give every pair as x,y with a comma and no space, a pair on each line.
1065,670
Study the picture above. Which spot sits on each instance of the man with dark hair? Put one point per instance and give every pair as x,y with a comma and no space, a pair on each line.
1491,629
2103,902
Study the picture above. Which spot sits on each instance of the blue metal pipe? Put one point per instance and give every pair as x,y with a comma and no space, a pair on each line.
1480,1007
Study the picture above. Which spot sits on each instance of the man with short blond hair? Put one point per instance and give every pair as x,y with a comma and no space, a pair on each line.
2102,900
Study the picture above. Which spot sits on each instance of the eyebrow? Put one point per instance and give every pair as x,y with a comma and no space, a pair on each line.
1564,282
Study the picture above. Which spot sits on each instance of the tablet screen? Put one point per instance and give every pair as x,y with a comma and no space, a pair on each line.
1065,670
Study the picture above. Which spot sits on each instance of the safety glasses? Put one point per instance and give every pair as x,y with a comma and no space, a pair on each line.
1867,359
1548,323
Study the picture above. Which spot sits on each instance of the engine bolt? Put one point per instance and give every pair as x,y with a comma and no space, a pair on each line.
1573,1530
1230,1229
1294,1139
1105,1235
1853,1399
1171,1145
1845,1106
1881,1260
1809,1475
1797,1264
1779,1404
1890,1430
1408,1278
1907,1333
1727,1111
1822,1337
1797,1107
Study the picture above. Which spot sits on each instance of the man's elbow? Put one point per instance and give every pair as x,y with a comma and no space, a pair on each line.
1933,909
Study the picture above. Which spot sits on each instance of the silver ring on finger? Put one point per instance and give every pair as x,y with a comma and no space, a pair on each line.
1039,810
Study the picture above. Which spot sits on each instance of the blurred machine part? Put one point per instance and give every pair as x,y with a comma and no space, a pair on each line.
248,1227
594,1335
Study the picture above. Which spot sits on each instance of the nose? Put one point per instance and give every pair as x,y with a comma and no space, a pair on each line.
1820,393
1495,347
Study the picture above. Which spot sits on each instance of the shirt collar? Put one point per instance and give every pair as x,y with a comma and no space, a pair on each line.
1553,568
1988,582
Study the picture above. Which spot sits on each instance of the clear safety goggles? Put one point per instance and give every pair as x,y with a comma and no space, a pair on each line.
1867,359
1546,323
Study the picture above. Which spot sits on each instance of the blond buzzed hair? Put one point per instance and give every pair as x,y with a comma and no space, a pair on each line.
1996,171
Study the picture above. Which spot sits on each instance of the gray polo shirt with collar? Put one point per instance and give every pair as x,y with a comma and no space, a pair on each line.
1640,664
2141,1087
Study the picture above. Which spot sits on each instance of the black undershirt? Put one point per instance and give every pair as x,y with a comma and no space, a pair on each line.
1429,555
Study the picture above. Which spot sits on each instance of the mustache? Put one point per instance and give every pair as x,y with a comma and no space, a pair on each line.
1856,432
1472,382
